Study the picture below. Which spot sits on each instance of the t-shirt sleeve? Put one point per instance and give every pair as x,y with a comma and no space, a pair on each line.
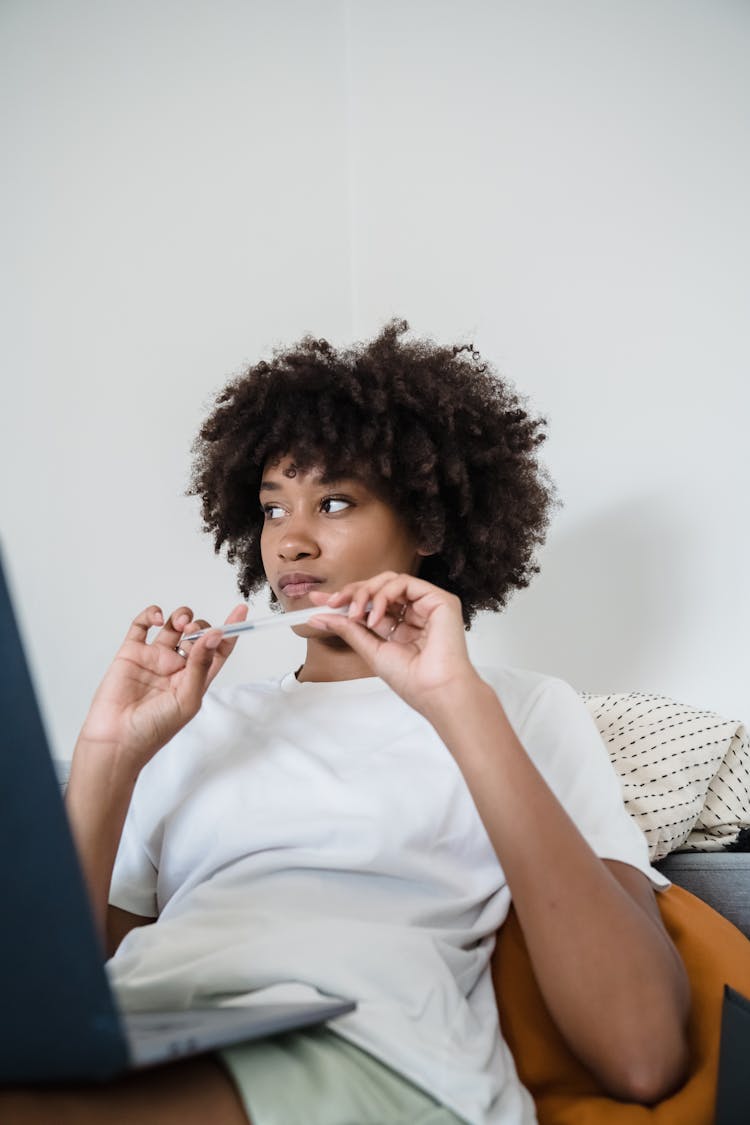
563,741
134,876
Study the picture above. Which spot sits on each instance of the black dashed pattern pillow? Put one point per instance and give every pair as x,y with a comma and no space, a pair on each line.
685,773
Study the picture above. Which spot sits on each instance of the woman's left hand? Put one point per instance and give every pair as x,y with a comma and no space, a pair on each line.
412,637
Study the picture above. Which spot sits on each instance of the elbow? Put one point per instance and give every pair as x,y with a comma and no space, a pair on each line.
658,1063
656,1075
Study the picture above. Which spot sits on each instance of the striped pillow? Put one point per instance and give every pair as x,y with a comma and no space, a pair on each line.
685,773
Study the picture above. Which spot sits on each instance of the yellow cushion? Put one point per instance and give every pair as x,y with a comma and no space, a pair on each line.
566,1093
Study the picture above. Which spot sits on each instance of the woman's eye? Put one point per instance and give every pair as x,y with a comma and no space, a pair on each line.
270,509
334,504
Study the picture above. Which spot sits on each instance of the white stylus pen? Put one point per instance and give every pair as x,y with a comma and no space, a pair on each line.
298,617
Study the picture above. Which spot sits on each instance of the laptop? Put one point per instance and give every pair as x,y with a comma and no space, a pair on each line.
60,1020
733,1092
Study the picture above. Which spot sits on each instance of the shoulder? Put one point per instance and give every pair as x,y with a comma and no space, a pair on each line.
524,693
550,718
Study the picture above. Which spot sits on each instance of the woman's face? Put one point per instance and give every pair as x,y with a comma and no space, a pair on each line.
319,534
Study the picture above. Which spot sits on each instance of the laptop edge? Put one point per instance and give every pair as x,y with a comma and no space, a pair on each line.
61,1019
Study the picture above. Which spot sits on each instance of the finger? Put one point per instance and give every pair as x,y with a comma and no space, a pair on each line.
345,595
358,594
420,598
174,627
239,613
393,626
140,625
355,633
225,645
182,648
392,599
194,626
191,686
370,593
320,597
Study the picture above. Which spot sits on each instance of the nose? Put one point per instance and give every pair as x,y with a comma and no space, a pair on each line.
298,540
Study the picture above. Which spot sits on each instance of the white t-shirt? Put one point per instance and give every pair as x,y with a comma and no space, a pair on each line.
308,838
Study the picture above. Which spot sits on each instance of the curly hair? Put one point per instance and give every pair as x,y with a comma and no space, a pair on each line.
432,429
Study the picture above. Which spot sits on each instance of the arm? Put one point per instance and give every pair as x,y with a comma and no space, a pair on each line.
97,800
148,694
624,1016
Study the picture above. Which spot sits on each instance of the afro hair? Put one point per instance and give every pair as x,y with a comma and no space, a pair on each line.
432,429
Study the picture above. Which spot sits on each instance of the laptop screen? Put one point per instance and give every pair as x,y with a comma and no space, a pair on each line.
56,1000
733,1095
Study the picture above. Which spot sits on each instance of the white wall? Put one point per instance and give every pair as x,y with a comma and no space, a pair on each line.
177,184
187,184
568,185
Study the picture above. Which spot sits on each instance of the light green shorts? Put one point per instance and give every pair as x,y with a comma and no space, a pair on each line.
314,1077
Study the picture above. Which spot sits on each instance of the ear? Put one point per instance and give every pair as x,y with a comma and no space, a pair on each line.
425,552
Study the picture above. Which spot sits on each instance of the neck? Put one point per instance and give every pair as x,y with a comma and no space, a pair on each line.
329,659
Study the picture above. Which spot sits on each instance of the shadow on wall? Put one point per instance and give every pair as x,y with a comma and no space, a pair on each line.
610,610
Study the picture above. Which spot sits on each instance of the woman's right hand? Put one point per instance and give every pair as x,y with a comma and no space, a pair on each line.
149,691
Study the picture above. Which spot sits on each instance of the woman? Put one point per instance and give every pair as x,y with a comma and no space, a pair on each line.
359,827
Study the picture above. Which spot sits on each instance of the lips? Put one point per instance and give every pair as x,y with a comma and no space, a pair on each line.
297,584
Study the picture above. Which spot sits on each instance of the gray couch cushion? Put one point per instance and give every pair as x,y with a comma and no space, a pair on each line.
722,879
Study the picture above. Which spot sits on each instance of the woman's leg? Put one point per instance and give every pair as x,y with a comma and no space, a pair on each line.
190,1092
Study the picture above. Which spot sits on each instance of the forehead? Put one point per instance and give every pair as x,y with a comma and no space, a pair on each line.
280,469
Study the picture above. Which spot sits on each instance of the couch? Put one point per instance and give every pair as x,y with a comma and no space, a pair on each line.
685,776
